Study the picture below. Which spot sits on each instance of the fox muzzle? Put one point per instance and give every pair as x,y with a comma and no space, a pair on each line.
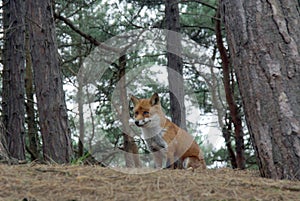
142,122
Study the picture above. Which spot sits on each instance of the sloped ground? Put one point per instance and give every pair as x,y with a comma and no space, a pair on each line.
45,182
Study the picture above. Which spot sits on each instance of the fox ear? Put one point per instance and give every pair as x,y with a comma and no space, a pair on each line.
154,100
134,99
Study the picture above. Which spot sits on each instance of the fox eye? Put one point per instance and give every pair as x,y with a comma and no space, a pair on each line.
136,113
145,112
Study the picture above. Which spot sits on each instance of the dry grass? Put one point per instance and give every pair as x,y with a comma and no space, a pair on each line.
44,182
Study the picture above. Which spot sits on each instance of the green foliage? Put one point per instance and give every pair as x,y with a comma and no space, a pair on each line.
80,160
197,21
199,88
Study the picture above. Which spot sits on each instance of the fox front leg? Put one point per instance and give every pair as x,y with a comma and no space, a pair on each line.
170,159
158,159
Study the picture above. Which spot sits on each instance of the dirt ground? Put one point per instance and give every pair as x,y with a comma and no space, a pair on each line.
47,182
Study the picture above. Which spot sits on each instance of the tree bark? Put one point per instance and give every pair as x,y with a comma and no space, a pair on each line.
53,118
175,66
13,77
264,41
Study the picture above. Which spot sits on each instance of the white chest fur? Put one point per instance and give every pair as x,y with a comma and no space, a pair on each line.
155,140
153,135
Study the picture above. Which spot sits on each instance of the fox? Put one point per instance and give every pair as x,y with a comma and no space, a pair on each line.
164,138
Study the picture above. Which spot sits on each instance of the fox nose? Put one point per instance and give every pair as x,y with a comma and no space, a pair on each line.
137,123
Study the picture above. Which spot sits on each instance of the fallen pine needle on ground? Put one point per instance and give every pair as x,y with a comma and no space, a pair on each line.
32,182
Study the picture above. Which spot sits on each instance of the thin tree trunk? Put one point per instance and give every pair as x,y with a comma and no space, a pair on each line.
53,118
226,132
226,128
130,147
233,108
32,129
4,155
80,95
13,77
81,119
80,100
90,101
175,66
263,37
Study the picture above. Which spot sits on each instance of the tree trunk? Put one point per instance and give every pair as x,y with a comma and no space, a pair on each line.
13,77
4,155
175,66
216,99
81,118
80,94
264,41
80,99
90,102
226,133
32,129
233,108
130,148
53,118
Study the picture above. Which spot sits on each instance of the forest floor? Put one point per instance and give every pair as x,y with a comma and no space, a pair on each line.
54,182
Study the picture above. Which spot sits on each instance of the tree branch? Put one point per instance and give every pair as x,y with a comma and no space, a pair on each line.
86,36
201,2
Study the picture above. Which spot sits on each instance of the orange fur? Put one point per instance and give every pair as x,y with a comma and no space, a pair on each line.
164,138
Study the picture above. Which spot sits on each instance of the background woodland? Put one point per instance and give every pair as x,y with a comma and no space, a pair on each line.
246,75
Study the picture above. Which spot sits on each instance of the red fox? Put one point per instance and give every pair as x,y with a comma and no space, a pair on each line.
164,138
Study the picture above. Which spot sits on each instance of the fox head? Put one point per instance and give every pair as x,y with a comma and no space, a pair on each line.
147,112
